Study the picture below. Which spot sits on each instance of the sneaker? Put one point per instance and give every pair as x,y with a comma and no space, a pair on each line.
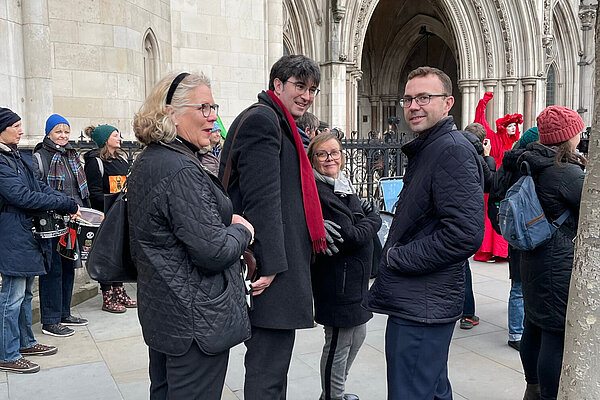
73,321
21,366
515,344
470,322
57,330
39,350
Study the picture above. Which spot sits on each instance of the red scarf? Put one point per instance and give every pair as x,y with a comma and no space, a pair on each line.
310,197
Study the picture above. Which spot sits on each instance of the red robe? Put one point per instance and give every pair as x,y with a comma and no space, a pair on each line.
494,244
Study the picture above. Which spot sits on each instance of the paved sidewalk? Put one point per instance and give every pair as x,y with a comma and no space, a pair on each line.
109,360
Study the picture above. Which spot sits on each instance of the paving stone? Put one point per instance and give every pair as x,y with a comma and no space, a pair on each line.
91,381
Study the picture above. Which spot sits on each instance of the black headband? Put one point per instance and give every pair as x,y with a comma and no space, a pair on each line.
174,85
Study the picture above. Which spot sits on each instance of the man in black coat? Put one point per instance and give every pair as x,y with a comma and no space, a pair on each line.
438,225
270,182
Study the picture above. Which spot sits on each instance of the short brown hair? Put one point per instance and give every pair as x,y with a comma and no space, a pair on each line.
320,139
476,129
424,71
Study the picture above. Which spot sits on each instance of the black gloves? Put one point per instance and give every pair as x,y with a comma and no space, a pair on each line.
332,235
368,207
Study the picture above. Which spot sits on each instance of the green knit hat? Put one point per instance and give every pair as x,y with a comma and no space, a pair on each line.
531,135
101,134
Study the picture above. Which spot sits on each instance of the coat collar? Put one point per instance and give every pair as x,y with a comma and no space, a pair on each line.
413,147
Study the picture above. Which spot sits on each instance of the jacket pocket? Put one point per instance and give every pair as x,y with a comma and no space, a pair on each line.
222,322
349,278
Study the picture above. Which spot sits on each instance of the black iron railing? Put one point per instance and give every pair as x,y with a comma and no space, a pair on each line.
369,160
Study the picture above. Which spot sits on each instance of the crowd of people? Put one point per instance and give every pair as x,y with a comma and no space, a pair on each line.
276,188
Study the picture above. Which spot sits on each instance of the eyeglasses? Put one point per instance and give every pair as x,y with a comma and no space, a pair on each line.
421,100
323,155
205,107
301,88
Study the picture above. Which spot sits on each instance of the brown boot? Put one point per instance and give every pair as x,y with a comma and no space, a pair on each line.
123,298
532,392
110,304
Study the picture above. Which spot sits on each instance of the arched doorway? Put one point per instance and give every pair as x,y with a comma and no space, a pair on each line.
400,37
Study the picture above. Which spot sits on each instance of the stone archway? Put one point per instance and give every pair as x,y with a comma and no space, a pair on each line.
398,39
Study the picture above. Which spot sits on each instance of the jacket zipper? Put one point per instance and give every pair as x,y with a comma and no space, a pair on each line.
344,279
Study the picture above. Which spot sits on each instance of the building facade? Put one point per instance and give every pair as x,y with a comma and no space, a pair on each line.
94,60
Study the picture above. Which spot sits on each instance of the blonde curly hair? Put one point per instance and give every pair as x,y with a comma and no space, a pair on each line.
152,123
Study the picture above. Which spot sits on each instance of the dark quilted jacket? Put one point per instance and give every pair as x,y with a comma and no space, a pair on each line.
439,223
22,195
340,282
186,253
546,270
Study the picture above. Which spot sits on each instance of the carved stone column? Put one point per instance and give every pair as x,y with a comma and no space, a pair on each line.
494,104
374,100
529,85
509,86
468,88
353,75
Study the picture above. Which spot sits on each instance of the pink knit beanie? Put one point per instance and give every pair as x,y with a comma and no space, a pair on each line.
557,124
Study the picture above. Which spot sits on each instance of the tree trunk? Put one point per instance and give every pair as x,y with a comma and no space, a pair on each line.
580,378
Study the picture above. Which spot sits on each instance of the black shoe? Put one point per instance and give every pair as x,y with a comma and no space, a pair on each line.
469,322
515,344
57,330
73,321
350,396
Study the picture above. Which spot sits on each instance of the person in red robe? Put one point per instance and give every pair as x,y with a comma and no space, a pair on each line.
507,133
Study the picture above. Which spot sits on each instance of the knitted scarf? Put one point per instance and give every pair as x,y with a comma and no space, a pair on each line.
310,197
341,185
57,171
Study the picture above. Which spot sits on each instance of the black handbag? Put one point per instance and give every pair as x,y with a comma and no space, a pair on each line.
110,259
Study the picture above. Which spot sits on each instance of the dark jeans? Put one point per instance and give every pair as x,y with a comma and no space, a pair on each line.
56,288
268,356
469,305
541,356
193,375
417,360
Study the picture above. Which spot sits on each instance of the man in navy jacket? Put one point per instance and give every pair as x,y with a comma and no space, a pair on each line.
438,225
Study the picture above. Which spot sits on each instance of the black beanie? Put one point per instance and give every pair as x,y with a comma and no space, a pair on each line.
7,118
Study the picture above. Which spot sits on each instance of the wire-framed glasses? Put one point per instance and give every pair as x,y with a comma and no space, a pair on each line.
205,107
421,100
301,88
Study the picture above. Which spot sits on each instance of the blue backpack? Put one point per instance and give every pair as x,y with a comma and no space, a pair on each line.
522,220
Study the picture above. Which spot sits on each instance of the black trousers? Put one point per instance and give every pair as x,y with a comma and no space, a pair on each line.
193,375
541,356
268,356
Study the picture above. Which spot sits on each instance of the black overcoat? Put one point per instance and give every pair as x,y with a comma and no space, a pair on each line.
265,187
340,282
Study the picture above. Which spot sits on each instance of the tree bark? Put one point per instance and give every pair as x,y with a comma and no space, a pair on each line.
580,378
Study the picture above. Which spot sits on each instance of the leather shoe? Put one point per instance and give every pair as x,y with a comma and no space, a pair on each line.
350,396
515,344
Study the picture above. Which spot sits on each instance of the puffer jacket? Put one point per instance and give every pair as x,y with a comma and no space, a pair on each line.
187,253
22,195
340,282
438,225
546,270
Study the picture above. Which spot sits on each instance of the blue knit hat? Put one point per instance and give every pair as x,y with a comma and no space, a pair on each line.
216,127
54,120
101,133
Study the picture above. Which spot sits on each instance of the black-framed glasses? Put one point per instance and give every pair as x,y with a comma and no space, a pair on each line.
421,100
205,107
301,88
323,155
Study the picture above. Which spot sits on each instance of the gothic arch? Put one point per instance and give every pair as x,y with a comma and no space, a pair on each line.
565,54
151,52
299,33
